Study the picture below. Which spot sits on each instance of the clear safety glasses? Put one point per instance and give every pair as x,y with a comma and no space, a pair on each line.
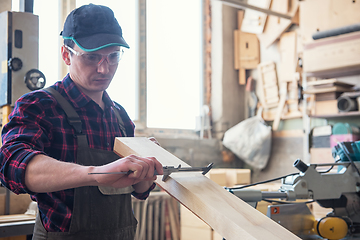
95,59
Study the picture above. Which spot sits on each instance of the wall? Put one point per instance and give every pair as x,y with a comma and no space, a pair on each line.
198,152
227,96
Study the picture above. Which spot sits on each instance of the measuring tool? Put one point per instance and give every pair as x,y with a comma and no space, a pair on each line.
168,170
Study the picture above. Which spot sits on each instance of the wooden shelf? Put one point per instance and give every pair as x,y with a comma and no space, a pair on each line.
339,115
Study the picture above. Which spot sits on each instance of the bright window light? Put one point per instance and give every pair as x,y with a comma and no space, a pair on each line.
174,57
49,51
122,89
123,86
174,63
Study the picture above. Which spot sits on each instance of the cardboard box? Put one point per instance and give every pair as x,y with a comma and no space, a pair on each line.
191,233
326,107
230,177
334,139
333,55
321,155
18,203
193,227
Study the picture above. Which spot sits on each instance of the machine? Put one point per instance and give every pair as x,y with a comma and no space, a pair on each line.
336,188
19,53
19,56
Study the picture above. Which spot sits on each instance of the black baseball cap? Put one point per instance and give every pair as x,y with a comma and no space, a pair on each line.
93,27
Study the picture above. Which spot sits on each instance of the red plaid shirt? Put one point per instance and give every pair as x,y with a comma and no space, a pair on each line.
38,125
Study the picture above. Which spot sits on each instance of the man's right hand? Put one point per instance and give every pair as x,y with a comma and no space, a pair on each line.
141,169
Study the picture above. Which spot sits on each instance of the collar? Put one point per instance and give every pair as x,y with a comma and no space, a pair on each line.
78,98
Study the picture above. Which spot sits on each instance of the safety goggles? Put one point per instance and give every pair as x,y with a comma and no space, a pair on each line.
95,59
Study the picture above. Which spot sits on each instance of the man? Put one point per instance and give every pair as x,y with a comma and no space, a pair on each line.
58,135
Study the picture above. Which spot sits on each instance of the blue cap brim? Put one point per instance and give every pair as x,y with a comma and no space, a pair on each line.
99,41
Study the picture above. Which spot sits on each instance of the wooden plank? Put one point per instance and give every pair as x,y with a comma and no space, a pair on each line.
242,76
288,62
333,14
332,81
149,222
268,80
236,49
275,26
249,48
16,218
240,18
156,218
254,21
328,89
339,54
280,108
224,212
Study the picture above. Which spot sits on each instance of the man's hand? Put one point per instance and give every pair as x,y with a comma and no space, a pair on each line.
141,176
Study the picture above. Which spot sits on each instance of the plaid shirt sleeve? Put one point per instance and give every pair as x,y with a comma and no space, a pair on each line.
22,138
144,195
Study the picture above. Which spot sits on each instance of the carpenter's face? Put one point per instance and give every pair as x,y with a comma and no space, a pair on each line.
91,71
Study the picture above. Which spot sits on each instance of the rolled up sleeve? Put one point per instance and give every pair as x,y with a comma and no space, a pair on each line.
22,138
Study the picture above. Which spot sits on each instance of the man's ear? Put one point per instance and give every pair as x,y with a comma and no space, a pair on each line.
65,54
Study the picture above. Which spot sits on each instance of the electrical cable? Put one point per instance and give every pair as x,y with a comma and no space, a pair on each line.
330,168
347,154
284,202
267,181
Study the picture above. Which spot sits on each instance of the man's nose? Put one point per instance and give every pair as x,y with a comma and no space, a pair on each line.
103,65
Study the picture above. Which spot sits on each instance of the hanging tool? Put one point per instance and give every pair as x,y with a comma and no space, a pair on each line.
168,170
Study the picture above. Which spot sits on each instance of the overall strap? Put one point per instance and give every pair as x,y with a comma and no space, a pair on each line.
70,112
72,116
121,122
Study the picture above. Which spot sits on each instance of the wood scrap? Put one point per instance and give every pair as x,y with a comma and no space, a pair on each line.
327,89
333,56
325,83
149,228
247,50
268,85
16,218
254,21
224,212
288,56
289,78
280,108
276,26
333,14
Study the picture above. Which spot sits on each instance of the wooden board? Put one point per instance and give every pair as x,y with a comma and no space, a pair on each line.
333,14
288,62
275,26
325,90
332,81
224,212
249,48
339,55
254,21
16,218
268,85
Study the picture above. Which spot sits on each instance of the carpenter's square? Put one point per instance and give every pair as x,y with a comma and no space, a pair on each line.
168,170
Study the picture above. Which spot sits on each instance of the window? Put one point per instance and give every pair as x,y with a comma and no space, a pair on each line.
49,51
174,63
174,57
123,86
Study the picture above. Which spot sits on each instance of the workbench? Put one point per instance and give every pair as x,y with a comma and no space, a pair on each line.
16,225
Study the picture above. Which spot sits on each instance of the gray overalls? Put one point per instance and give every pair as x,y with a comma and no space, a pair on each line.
98,213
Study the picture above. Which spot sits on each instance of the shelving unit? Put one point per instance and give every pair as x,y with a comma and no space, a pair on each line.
339,115
332,57
328,117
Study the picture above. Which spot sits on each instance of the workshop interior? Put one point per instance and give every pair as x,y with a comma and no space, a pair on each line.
277,98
